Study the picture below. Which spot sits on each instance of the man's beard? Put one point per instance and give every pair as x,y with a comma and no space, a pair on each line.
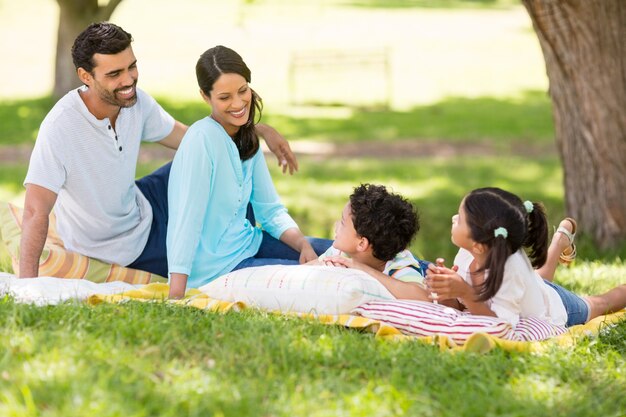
111,97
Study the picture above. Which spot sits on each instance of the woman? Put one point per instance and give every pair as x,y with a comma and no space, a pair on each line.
217,171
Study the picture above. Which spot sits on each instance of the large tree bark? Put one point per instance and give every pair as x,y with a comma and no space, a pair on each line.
584,45
74,17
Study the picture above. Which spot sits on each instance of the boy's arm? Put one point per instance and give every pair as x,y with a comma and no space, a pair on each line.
399,289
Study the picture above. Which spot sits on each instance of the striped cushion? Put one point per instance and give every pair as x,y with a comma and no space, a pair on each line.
529,329
56,261
420,318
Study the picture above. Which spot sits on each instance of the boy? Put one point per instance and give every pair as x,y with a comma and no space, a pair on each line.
373,234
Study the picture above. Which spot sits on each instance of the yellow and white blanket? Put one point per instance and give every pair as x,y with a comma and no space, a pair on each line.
478,342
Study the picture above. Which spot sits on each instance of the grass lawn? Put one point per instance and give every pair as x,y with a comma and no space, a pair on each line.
153,359
525,119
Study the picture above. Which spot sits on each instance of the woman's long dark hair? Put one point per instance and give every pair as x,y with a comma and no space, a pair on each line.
222,60
487,209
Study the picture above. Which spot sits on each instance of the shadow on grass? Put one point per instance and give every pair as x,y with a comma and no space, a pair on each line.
526,119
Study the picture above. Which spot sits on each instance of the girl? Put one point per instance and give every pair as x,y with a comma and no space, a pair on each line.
218,169
495,275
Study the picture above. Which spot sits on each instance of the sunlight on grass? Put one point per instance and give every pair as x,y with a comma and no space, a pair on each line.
196,380
378,399
544,389
518,121
52,367
592,277
374,398
523,119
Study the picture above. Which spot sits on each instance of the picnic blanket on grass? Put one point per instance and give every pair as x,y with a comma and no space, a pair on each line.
477,342
48,290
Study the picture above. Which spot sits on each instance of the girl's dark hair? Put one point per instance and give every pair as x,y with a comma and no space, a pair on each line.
98,38
388,221
222,60
487,209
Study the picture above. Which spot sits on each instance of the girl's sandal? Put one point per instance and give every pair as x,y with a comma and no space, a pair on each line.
569,254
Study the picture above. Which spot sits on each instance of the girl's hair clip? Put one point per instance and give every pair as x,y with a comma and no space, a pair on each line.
501,231
529,206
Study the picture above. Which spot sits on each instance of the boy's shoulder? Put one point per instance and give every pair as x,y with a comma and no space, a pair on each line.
405,259
333,251
404,256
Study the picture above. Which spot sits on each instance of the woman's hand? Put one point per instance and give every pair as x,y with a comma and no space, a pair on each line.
307,254
178,285
279,147
294,238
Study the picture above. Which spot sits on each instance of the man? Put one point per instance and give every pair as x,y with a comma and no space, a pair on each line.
85,157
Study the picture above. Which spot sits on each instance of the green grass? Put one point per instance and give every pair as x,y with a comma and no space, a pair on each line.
525,119
153,359
21,119
503,121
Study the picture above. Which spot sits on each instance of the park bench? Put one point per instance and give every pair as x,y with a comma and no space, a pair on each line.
340,77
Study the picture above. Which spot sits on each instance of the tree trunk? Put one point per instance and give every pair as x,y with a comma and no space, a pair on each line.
74,17
584,45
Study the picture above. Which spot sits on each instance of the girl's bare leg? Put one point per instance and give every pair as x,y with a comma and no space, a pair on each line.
609,302
559,243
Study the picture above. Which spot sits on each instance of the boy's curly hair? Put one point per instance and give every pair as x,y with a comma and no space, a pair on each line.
387,220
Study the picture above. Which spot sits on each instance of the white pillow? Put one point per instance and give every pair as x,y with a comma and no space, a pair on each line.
298,288
419,318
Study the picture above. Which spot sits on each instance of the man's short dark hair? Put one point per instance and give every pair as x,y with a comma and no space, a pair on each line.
98,38
387,220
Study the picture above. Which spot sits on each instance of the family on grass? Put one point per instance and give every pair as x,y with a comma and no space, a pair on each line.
214,208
